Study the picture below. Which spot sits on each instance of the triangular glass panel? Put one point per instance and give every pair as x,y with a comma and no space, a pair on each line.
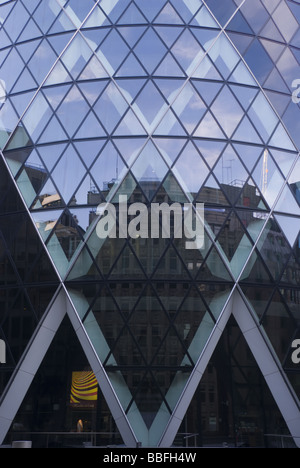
250,197
187,51
173,189
127,266
169,264
271,236
150,50
37,117
169,67
190,321
51,154
267,177
48,197
287,203
169,148
255,271
150,11
17,158
97,18
110,107
246,132
223,11
58,75
242,75
244,94
41,61
207,70
263,117
211,193
294,181
281,139
114,49
215,296
62,24
258,61
258,296
53,132
131,35
59,42
76,11
278,311
231,173
214,268
273,48
167,34
129,148
56,94
224,56
108,168
149,104
248,154
208,128
68,173
239,24
291,271
149,168
170,125
290,227
32,178
168,15
45,221
188,261
204,18
94,70
270,31
87,194
210,150
90,128
131,88
190,170
132,15
88,150
189,108
148,399
276,82
131,66
25,80
63,242
227,111
207,90
72,111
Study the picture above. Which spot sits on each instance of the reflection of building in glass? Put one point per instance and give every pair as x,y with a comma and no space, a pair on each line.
173,101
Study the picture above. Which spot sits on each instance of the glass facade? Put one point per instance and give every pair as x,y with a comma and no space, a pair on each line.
137,339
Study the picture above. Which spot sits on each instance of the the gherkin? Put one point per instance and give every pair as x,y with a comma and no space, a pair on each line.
161,101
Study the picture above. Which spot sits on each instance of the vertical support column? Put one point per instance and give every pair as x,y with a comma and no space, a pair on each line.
30,363
269,365
194,380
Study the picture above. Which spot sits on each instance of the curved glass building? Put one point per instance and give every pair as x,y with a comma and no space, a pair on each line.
150,222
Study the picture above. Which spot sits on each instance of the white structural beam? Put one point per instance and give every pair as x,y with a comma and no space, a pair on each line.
30,363
265,357
269,365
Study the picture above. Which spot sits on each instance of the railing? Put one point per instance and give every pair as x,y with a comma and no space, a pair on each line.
68,439
280,441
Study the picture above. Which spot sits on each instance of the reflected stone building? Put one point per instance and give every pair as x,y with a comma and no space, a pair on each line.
140,340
